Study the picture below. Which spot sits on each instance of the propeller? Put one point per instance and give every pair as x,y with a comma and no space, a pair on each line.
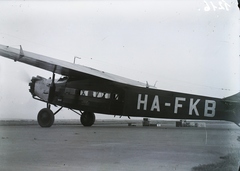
25,77
9,71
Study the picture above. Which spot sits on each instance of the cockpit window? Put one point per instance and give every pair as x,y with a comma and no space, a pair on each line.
63,78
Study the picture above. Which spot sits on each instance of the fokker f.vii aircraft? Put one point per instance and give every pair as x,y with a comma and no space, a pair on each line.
91,91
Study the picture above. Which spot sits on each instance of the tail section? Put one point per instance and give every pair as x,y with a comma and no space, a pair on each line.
234,105
233,99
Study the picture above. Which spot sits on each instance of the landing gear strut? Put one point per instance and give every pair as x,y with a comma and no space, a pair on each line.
45,117
87,118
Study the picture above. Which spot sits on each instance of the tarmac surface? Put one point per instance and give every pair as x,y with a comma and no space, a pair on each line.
113,145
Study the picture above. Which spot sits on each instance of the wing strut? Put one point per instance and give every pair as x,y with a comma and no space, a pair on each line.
52,88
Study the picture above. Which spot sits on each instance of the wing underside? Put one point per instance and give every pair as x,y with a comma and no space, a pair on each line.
62,67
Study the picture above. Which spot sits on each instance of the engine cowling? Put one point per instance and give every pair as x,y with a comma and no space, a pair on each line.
40,87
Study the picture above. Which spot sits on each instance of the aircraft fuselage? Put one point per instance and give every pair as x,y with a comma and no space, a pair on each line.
173,105
119,99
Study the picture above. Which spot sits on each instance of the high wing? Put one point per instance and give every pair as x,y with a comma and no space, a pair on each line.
62,67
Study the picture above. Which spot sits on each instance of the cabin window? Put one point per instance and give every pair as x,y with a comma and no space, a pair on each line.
83,93
116,96
101,95
71,91
96,94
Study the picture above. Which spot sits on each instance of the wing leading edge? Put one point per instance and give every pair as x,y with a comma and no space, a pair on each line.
61,67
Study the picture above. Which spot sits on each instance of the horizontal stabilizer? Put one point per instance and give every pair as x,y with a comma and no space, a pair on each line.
234,98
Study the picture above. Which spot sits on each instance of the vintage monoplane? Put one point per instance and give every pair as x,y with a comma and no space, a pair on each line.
92,91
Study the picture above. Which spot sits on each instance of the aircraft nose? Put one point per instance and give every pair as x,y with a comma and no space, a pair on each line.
32,84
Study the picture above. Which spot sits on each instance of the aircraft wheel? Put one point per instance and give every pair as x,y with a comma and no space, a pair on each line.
45,118
87,118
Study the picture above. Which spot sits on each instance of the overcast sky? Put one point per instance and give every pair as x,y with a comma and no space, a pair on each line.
185,46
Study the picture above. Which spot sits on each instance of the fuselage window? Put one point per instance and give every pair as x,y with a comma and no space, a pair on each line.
116,96
83,93
98,94
71,91
107,95
95,94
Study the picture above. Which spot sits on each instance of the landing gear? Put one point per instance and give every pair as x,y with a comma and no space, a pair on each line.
45,117
87,118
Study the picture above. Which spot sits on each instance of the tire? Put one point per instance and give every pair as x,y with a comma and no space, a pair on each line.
87,118
45,118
